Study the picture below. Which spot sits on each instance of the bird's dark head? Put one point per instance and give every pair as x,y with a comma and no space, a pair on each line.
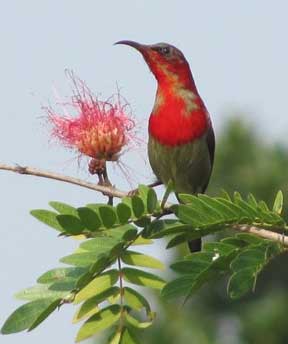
166,62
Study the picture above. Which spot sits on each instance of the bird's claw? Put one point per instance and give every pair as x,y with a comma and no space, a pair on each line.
133,192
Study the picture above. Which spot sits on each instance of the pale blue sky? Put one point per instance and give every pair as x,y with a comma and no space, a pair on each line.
238,54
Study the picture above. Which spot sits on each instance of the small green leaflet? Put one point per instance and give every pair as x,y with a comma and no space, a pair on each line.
59,274
90,306
248,264
135,300
129,337
142,278
89,218
99,322
40,291
29,315
139,259
97,285
278,203
71,224
48,217
63,208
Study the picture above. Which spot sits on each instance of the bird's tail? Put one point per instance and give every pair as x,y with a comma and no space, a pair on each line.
195,245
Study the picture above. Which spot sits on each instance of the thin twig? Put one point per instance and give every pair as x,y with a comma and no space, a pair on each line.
106,190
263,233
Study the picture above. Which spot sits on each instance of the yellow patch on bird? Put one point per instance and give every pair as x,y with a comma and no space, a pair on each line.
159,101
189,98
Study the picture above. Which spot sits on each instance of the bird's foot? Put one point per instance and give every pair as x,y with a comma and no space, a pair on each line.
152,185
133,192
168,191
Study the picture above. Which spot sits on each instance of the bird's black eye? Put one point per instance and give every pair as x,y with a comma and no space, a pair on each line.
164,50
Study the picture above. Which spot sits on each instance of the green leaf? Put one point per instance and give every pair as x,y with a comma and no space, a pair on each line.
139,259
135,300
101,264
278,203
161,228
40,291
81,259
250,238
207,211
136,323
177,240
241,282
237,196
143,222
142,278
90,306
97,285
85,312
250,211
99,322
129,337
137,206
152,201
27,315
63,208
116,337
126,232
225,194
234,241
188,215
123,212
190,235
262,205
252,258
186,198
89,218
48,217
108,215
196,263
142,192
252,200
178,287
67,284
237,210
221,207
71,224
149,198
199,268
45,314
218,247
59,274
142,241
100,244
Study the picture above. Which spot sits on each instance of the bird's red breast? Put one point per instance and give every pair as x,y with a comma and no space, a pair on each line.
178,117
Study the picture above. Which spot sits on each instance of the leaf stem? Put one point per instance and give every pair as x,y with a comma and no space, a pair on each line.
122,310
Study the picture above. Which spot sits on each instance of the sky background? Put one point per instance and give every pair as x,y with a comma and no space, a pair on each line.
238,54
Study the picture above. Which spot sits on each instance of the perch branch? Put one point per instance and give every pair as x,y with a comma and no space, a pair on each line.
111,191
106,190
263,233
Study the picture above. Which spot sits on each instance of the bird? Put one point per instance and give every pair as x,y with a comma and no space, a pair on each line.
181,142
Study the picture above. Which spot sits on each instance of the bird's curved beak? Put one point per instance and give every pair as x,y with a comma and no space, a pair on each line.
140,47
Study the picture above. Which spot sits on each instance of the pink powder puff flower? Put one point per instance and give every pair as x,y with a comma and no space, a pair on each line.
95,128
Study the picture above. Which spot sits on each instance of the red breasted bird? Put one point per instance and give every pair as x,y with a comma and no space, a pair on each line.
181,138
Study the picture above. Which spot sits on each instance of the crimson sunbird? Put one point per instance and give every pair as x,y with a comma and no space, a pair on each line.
181,138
